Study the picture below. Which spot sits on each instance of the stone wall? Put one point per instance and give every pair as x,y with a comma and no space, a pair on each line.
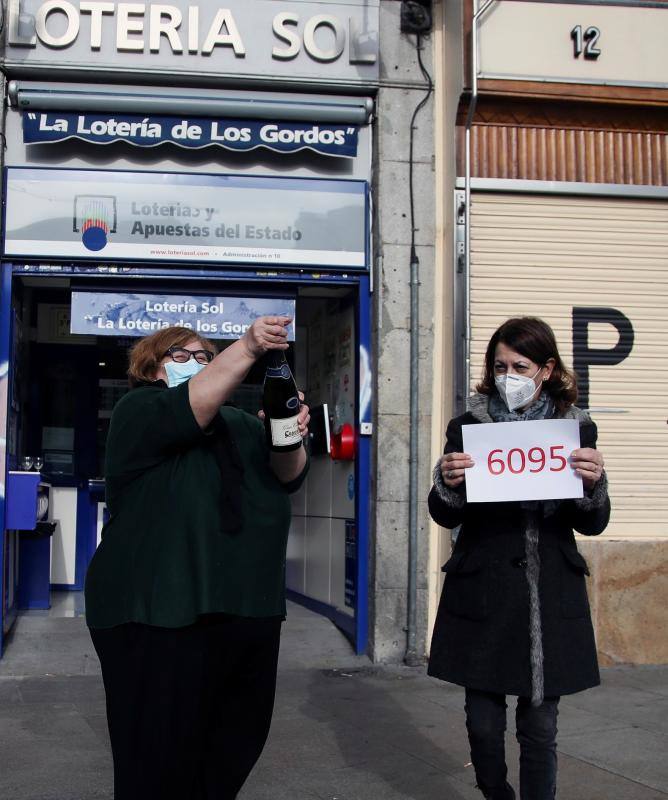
402,87
628,594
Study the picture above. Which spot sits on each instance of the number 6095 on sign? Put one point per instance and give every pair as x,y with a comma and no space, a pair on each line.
535,460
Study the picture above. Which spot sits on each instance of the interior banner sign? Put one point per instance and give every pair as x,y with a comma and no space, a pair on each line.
192,132
151,216
116,314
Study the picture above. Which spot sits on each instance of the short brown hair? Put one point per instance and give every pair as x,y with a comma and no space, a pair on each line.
147,353
534,339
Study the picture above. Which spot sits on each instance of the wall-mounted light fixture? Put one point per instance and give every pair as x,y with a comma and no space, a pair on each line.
416,16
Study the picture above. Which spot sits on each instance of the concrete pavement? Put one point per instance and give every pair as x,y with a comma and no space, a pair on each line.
343,729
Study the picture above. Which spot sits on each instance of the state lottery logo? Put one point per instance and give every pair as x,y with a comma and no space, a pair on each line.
94,219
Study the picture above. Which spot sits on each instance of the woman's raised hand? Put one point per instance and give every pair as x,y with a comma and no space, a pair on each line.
588,464
453,466
304,416
267,333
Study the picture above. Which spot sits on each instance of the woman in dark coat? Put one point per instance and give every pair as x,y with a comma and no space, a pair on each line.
514,616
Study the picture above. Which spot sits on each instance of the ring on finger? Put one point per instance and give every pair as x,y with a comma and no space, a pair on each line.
451,474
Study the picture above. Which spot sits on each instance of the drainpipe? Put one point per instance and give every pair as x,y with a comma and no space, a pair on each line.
411,656
467,186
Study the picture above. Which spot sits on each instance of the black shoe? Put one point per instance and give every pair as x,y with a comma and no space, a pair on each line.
504,793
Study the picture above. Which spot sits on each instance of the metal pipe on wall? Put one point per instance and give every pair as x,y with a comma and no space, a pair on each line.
467,187
412,658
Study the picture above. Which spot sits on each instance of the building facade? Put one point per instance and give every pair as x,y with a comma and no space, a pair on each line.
559,204
200,164
532,180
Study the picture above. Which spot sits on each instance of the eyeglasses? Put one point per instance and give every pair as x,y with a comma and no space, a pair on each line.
181,355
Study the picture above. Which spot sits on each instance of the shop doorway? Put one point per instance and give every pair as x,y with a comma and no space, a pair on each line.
64,388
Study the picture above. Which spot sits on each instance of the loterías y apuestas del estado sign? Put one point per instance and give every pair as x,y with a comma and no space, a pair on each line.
257,38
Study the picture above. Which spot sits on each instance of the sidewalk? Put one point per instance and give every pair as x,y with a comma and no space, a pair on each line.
343,729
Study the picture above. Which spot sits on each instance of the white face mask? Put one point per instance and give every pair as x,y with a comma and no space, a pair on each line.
516,390
178,372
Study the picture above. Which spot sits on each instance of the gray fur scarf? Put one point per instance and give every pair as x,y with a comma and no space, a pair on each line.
479,408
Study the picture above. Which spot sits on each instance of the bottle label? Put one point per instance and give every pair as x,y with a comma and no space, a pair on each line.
278,372
285,431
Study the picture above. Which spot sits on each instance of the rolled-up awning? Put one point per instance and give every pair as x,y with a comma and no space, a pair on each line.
334,110
234,120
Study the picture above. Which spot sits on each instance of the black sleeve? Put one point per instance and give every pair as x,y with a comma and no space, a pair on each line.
446,505
295,484
148,425
590,514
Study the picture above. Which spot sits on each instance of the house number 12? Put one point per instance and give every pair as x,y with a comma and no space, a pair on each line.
585,42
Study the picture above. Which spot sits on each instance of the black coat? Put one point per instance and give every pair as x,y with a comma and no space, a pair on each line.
481,637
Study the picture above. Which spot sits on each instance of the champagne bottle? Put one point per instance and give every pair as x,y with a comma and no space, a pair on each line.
280,403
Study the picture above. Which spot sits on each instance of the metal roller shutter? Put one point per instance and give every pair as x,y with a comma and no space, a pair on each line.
596,263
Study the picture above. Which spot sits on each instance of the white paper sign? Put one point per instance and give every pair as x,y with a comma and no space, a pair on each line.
522,460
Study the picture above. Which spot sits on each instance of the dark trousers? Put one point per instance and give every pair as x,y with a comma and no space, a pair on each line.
189,709
537,737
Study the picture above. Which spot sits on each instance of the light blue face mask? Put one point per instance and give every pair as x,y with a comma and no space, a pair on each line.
178,372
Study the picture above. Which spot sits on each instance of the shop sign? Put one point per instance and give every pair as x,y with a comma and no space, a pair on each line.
150,216
190,132
275,41
522,460
623,44
122,314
